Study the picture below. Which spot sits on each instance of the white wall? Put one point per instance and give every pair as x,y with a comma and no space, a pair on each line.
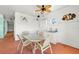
69,30
9,10
23,25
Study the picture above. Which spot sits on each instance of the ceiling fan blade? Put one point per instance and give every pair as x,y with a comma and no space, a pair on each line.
39,6
48,10
48,6
37,10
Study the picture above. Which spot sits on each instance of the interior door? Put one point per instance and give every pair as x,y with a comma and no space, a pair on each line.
1,27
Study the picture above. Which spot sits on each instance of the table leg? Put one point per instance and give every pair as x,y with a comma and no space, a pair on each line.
34,48
50,48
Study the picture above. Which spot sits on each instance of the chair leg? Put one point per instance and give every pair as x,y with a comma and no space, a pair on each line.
33,51
42,51
34,48
41,48
18,46
22,49
50,49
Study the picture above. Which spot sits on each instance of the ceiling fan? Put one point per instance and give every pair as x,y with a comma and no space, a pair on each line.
44,8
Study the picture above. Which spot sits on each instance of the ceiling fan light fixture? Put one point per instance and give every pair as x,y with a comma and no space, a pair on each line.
44,8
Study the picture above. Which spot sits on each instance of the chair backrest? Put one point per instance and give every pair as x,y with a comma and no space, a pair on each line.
20,37
46,43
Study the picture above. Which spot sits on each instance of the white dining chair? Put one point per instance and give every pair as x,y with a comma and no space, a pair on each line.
23,41
45,45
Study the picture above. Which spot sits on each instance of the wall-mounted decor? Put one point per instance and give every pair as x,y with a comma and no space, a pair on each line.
23,18
69,16
52,26
54,20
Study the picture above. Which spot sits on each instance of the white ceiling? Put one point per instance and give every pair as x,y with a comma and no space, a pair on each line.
8,10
